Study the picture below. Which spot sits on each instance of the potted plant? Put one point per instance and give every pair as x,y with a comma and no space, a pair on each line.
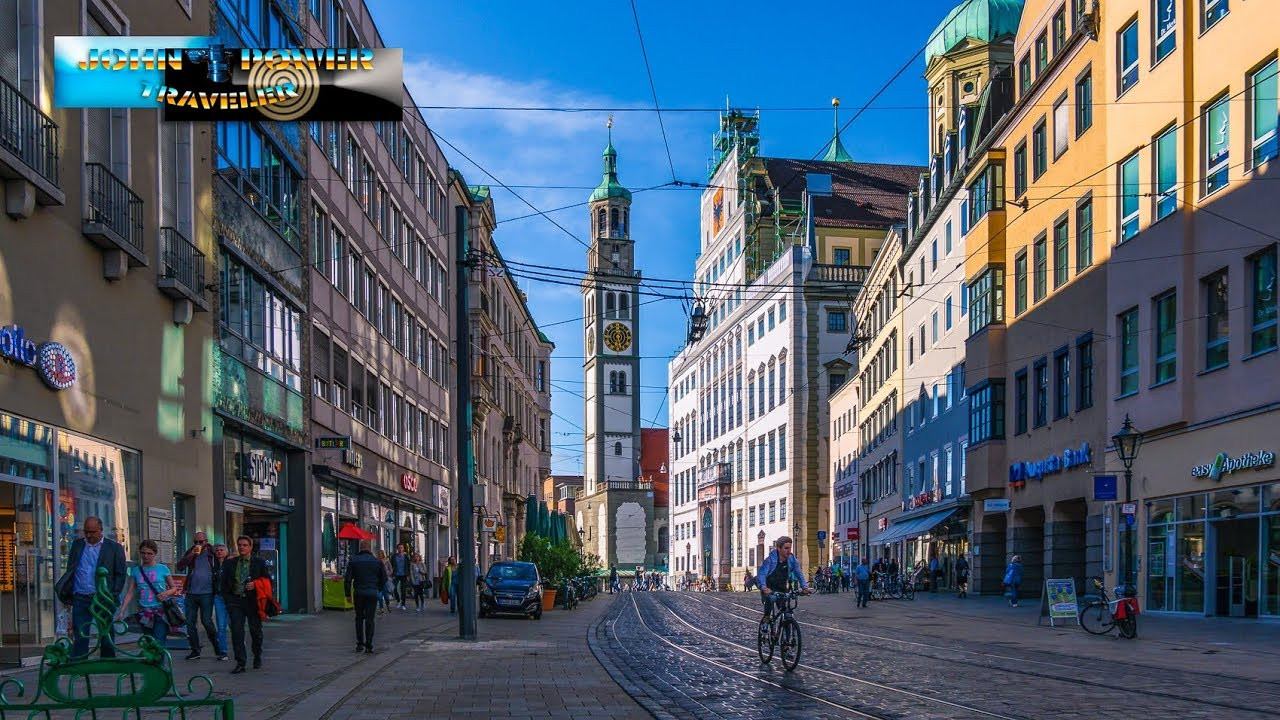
538,550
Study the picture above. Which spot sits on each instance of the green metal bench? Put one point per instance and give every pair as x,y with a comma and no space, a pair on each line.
138,685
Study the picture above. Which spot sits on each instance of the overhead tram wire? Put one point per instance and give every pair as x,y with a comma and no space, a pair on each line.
654,90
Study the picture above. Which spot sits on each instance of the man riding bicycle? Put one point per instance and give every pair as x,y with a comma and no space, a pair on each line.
776,573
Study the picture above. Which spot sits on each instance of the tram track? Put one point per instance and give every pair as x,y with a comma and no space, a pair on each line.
869,687
1023,671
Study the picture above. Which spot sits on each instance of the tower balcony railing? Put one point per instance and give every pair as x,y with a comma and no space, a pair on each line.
182,268
716,474
113,213
851,274
28,135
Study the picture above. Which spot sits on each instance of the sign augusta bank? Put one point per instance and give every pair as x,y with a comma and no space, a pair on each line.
1020,472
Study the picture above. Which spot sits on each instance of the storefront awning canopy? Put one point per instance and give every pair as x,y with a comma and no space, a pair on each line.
908,529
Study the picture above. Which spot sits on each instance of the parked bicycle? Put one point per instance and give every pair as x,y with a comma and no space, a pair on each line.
1099,614
780,628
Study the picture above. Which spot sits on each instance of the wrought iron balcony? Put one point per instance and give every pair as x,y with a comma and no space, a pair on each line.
716,474
851,274
113,213
182,268
28,141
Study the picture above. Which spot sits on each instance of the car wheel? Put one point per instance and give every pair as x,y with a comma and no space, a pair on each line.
537,615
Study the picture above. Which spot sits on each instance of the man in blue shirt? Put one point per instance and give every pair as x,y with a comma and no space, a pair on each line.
777,571
862,574
198,595
77,585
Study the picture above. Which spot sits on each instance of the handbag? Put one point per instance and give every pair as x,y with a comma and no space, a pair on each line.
173,614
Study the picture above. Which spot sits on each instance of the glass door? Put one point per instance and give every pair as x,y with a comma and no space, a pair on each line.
26,571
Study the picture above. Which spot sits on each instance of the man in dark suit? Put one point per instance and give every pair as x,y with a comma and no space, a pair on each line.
238,591
366,576
78,584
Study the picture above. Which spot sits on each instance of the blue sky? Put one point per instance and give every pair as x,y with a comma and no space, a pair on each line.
586,54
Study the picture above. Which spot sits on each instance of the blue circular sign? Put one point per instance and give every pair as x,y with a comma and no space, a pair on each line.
56,366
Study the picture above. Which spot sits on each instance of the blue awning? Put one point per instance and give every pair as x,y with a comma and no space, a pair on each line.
908,529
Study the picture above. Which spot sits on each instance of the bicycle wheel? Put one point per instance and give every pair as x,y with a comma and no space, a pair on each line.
764,643
1128,627
791,644
1095,618
909,591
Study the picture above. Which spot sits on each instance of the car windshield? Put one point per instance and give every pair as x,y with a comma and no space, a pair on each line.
499,573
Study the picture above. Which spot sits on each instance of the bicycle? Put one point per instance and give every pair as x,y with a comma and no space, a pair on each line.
906,588
780,627
1099,614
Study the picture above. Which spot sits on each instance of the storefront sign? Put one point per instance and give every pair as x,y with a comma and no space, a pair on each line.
353,458
845,490
51,360
928,497
488,524
1225,465
995,505
851,533
263,470
440,496
1019,473
883,523
336,442
1104,487
409,482
1061,600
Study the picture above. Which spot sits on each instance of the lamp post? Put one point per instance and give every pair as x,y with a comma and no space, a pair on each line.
866,539
1127,443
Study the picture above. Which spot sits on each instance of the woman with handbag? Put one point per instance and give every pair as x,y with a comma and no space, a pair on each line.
418,579
157,610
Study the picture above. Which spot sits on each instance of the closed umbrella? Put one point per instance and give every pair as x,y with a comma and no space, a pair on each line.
544,520
531,515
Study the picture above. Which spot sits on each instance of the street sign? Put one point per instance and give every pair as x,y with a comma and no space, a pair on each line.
1058,600
822,535
488,524
995,505
1129,508
1104,487
852,533
333,442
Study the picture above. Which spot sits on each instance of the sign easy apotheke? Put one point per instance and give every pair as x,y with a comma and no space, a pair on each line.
1223,464
1021,472
51,360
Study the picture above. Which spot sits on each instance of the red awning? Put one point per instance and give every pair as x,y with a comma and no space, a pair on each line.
349,531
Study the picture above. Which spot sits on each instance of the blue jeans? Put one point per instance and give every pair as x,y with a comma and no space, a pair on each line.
864,592
224,620
159,628
453,597
81,621
199,607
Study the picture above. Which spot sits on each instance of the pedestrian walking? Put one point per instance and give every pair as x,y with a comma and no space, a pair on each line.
1013,579
219,602
197,593
153,582
935,574
419,581
241,595
862,574
384,597
613,580
451,582
78,583
365,579
962,577
400,563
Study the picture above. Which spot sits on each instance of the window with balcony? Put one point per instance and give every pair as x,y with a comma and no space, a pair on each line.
1130,192
1127,325
1265,113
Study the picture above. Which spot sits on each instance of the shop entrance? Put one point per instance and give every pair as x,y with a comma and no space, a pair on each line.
270,538
1236,567
26,571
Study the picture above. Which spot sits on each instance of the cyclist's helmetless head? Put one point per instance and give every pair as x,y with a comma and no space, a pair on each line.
783,545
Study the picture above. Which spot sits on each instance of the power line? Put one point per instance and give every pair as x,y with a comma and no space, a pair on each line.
653,89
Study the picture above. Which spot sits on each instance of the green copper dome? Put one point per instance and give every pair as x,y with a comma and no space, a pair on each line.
984,20
835,149
609,185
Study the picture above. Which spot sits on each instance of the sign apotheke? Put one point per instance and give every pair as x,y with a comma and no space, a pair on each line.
51,360
1223,464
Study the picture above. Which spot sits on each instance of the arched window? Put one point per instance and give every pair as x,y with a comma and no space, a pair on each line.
617,448
624,305
609,306
626,223
760,388
600,226
751,397
622,382
615,229
613,382
782,377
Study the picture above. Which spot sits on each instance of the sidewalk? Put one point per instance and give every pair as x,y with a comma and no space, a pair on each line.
1230,646
518,668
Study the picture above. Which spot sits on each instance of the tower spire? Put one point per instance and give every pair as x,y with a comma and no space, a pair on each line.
609,186
835,151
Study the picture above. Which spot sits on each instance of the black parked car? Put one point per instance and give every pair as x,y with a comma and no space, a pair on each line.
511,588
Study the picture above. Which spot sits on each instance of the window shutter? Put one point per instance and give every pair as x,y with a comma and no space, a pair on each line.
340,376
320,355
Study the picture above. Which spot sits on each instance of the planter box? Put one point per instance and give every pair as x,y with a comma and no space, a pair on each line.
548,599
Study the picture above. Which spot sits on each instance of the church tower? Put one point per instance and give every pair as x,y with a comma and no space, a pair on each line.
611,312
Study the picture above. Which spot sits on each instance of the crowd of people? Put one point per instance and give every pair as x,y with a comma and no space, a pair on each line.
222,593
641,581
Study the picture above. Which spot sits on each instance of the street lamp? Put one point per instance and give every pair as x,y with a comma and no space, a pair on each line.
1127,443
866,512
582,537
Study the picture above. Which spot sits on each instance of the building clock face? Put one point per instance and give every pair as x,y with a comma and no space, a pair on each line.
617,337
